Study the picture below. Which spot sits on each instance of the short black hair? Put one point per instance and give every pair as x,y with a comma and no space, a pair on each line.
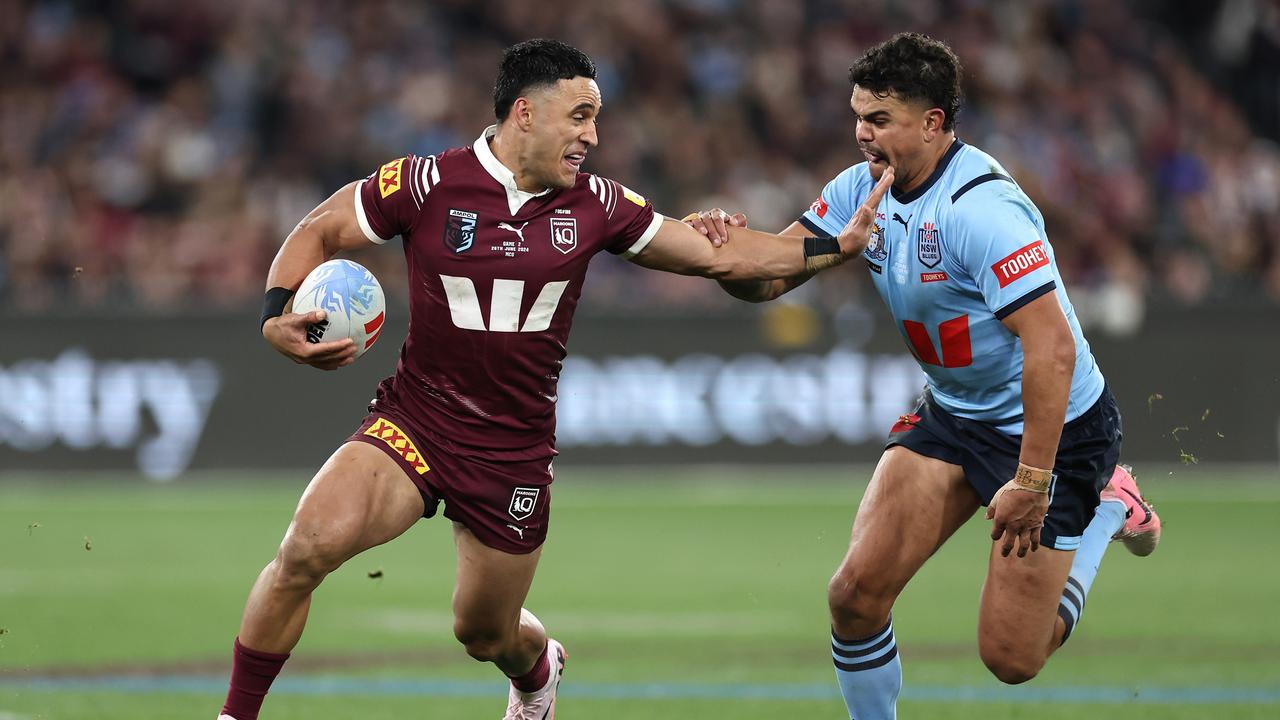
913,67
535,63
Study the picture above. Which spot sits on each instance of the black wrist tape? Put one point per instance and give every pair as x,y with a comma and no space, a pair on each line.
821,252
821,246
273,304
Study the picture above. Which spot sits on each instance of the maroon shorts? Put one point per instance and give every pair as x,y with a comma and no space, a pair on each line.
505,504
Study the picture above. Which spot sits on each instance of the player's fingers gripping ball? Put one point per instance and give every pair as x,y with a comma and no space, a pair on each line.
352,299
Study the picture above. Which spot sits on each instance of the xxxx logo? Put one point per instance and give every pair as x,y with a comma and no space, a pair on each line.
394,437
389,177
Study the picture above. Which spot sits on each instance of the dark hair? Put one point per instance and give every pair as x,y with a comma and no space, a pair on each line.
913,67
534,63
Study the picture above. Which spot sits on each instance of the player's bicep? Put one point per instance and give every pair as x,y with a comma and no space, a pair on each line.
1039,316
336,221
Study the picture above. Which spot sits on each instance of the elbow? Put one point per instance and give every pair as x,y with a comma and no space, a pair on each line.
1064,356
751,292
721,269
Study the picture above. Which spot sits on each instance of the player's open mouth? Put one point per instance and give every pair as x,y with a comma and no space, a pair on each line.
574,160
873,158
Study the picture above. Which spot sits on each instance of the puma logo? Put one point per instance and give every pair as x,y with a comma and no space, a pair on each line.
519,530
898,219
518,231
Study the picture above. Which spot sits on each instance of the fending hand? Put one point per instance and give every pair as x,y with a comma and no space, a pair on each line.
714,224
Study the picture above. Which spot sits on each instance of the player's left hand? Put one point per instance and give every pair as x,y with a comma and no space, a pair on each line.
1017,515
715,224
857,232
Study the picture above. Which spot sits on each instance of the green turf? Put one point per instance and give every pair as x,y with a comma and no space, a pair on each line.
673,576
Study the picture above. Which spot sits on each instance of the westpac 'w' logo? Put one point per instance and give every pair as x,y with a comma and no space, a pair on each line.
504,307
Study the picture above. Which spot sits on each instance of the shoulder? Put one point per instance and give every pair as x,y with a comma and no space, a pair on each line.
980,189
853,178
608,193
423,174
450,163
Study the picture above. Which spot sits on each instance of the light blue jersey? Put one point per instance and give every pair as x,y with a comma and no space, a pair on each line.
951,259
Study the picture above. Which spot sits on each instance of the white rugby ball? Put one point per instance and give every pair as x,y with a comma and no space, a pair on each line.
353,299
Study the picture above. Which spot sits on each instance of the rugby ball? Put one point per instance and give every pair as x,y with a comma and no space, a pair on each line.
353,299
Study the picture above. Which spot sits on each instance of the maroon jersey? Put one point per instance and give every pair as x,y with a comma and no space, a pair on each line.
494,278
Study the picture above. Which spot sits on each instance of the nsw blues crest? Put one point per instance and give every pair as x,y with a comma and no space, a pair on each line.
929,245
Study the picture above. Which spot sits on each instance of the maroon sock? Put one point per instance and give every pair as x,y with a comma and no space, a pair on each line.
251,674
537,677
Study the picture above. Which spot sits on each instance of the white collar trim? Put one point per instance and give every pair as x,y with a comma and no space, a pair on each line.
516,198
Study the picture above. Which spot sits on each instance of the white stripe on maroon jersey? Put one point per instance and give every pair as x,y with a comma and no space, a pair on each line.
613,198
415,180
433,177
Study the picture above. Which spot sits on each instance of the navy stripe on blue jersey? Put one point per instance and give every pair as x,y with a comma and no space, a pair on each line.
909,197
1016,305
813,227
978,181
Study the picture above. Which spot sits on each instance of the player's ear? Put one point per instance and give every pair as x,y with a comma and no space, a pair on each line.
933,120
522,113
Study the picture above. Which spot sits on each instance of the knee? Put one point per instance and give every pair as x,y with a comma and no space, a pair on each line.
482,643
855,598
305,559
1012,668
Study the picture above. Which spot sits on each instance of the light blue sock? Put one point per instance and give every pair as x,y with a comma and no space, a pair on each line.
870,674
1107,521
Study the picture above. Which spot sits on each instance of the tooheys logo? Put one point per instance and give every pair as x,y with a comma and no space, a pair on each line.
389,177
1020,262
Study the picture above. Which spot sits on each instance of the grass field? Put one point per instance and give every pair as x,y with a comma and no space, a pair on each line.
679,594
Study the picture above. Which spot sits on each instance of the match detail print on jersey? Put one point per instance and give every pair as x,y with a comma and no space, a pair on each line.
394,437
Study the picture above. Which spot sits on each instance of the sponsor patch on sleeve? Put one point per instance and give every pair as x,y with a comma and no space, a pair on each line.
389,177
1020,262
631,195
819,207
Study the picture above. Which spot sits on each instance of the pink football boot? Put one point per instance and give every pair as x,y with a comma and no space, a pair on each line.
539,705
1141,530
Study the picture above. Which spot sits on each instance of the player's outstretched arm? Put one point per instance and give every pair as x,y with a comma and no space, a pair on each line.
756,256
714,224
325,231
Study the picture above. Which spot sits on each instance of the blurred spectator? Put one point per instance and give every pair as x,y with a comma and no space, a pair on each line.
154,154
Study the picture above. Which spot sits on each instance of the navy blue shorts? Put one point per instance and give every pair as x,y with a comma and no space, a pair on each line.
1087,455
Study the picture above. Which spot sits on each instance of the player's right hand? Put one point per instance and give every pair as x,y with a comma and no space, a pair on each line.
715,224
288,334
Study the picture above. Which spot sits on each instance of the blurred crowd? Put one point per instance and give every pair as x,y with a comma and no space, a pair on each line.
154,154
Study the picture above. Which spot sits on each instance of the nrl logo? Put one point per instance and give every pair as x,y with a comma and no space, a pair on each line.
523,501
564,234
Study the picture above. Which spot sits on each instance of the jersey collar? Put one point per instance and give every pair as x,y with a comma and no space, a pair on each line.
910,197
516,198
